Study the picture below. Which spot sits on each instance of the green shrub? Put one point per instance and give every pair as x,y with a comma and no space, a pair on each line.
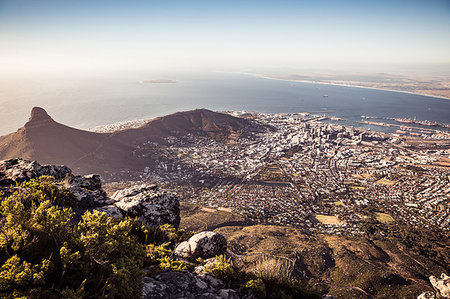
168,264
175,236
45,254
156,252
222,269
255,286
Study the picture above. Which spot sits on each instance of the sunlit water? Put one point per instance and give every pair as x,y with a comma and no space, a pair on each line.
93,101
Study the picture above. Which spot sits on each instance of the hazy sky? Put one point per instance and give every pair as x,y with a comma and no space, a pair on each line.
43,35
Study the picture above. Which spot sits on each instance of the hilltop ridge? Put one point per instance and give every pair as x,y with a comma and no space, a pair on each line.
46,140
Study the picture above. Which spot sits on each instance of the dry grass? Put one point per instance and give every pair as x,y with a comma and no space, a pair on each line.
383,217
325,219
386,182
198,218
271,268
358,188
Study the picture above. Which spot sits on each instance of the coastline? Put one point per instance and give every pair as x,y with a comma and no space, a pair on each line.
336,84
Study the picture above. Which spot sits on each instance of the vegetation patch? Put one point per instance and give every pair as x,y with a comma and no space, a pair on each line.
385,182
46,253
383,217
325,219
357,188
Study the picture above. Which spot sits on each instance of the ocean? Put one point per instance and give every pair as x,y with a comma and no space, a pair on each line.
99,100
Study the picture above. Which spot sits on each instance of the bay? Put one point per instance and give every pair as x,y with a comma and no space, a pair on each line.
90,101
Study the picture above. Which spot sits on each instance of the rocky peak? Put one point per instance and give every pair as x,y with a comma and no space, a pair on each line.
38,117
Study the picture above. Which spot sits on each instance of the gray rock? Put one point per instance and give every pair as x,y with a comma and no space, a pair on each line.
18,170
211,280
441,288
228,294
427,295
89,199
110,210
201,272
441,285
205,245
150,205
88,190
90,182
153,288
180,285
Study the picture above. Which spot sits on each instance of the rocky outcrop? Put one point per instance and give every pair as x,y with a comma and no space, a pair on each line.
427,295
441,287
110,210
205,245
149,205
145,202
184,285
18,170
88,190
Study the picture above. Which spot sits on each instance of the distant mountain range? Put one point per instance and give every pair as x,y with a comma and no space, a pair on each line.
48,141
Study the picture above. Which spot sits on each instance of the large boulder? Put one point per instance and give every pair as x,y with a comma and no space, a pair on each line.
182,285
90,182
441,285
110,210
204,245
88,190
441,288
427,295
18,170
149,205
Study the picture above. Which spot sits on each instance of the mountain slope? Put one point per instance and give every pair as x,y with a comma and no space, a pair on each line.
48,141
201,122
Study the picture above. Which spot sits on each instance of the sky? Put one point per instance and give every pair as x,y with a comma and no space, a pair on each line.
66,35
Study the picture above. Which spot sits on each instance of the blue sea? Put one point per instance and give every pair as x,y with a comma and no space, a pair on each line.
91,101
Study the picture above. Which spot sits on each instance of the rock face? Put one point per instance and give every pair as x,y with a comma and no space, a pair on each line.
205,245
146,202
88,190
18,170
427,295
183,285
149,205
441,286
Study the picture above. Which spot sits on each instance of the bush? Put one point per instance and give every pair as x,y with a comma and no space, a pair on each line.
222,269
155,252
44,254
254,286
168,264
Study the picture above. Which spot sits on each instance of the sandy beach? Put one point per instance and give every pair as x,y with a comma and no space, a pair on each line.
340,84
